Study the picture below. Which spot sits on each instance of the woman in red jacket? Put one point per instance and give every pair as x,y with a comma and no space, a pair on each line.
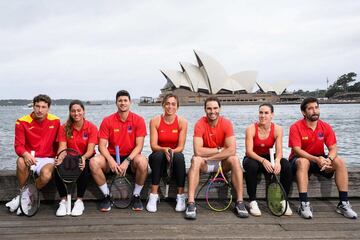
81,135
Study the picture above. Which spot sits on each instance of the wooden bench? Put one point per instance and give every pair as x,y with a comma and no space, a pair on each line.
319,187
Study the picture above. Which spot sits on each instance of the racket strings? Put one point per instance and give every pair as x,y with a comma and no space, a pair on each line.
121,192
69,169
275,197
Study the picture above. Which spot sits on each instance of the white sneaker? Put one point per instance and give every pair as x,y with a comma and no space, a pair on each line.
305,210
13,205
152,203
62,210
254,209
345,209
25,202
78,208
288,211
180,202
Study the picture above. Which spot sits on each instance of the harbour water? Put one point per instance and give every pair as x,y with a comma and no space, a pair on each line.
345,120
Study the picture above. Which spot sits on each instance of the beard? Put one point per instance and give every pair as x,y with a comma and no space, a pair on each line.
313,117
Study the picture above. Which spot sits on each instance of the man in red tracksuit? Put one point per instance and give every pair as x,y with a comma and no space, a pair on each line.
35,132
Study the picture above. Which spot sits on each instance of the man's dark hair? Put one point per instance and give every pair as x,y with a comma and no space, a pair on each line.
211,99
306,101
122,93
267,105
42,98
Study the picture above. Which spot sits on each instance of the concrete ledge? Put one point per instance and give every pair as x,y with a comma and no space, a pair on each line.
319,187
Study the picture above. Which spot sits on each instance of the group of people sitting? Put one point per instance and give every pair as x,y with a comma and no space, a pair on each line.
213,143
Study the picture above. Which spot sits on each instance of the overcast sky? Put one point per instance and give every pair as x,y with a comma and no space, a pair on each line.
91,49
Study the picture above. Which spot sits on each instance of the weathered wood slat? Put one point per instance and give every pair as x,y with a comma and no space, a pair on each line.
167,224
319,187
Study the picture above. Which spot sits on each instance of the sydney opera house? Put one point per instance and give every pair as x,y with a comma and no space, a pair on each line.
193,83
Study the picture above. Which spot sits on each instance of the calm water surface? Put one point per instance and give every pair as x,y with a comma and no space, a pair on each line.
345,120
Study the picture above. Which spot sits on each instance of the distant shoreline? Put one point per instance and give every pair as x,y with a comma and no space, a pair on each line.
62,102
257,103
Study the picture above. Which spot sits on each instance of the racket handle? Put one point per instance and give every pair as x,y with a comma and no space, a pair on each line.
166,190
117,152
32,167
68,207
271,150
171,153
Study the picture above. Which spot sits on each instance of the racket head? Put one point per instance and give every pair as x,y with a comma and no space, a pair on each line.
218,194
275,194
121,192
29,197
69,169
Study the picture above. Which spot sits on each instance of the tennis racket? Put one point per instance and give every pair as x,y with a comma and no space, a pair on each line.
275,193
169,172
29,194
69,171
120,188
218,192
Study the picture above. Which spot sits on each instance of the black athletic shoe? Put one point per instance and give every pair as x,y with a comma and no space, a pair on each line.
190,212
105,204
137,204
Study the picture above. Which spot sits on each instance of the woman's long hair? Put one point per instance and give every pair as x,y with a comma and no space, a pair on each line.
70,120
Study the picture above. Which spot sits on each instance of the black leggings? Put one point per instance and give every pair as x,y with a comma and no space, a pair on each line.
253,167
158,164
81,182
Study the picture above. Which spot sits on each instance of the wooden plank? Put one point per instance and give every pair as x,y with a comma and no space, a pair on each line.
168,224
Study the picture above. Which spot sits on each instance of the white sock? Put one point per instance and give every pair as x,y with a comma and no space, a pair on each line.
137,189
104,189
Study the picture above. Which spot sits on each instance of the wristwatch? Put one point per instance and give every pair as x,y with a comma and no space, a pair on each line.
331,159
128,159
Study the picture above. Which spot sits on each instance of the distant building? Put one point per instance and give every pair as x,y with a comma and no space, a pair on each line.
194,83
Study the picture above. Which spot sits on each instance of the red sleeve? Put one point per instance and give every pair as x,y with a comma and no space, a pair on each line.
330,138
61,137
140,128
93,134
104,129
19,143
294,137
199,129
228,127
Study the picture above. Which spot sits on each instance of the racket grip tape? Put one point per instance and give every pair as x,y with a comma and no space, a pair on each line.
117,154
166,190
68,204
32,167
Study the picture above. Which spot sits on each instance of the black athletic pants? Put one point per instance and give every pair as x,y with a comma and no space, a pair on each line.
252,169
158,164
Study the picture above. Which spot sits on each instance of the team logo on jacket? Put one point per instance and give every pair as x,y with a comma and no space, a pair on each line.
129,129
52,126
116,130
305,138
85,135
320,135
174,131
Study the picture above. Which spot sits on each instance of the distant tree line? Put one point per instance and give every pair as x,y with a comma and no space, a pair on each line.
340,86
